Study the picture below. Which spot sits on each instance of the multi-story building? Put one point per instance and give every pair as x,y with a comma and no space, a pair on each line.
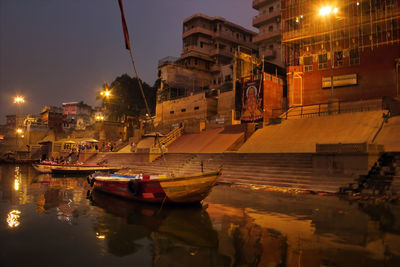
268,23
77,115
205,65
355,44
52,117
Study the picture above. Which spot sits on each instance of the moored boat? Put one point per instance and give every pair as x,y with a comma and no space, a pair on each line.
57,168
157,188
45,166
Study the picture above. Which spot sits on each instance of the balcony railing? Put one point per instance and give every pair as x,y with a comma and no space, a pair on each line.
197,30
265,36
259,3
269,54
264,18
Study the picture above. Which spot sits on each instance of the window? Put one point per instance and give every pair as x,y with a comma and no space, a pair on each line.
354,57
270,28
338,59
171,112
271,46
308,61
201,44
183,110
196,108
271,9
323,61
228,78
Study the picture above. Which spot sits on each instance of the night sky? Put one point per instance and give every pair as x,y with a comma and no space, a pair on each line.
55,51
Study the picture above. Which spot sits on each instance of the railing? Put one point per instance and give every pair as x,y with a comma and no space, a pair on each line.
168,139
155,150
324,109
167,60
349,148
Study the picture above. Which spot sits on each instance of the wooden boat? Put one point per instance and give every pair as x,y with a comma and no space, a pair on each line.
57,168
156,188
45,166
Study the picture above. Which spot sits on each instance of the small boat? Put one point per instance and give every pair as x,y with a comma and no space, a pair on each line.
45,166
156,188
57,168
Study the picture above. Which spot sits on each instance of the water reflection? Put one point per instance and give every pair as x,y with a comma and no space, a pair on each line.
17,179
174,232
233,227
13,218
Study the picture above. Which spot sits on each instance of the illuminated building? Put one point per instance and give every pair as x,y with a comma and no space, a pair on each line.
360,38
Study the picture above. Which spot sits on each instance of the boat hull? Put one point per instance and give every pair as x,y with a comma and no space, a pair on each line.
43,168
185,189
72,168
81,169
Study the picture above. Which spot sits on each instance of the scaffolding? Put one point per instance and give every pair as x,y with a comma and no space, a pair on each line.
360,25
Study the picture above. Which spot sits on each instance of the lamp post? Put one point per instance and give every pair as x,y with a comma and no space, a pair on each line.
329,11
105,94
18,100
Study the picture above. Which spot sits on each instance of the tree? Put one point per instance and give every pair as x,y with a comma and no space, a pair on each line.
126,98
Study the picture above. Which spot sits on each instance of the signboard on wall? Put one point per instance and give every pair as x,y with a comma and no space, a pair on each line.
339,80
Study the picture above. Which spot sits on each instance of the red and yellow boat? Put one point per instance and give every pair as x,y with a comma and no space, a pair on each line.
156,188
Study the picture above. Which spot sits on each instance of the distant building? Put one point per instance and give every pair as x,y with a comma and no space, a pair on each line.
361,38
20,120
77,115
268,23
52,117
205,67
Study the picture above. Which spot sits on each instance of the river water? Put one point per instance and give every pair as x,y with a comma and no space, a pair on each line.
51,221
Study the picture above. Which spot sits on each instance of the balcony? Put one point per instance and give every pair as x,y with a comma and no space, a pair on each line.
264,18
222,52
215,68
233,39
260,3
267,35
195,48
197,30
268,54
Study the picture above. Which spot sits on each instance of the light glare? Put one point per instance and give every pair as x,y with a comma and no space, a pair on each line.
327,10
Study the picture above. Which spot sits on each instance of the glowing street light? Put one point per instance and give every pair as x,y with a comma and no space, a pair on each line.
327,11
19,131
99,118
19,100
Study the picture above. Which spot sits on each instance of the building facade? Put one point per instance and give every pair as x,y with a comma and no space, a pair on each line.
77,115
354,43
205,67
268,23
52,117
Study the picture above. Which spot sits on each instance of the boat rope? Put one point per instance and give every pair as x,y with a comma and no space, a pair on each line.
162,204
128,47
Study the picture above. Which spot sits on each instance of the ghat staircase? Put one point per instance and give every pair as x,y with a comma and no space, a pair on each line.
272,169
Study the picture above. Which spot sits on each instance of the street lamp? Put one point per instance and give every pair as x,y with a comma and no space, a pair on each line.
329,11
18,100
99,118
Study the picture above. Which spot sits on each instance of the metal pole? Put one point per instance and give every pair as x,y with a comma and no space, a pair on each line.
331,52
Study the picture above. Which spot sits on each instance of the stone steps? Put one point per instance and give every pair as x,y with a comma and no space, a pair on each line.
280,170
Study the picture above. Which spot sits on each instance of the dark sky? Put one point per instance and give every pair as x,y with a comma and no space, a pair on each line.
55,51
